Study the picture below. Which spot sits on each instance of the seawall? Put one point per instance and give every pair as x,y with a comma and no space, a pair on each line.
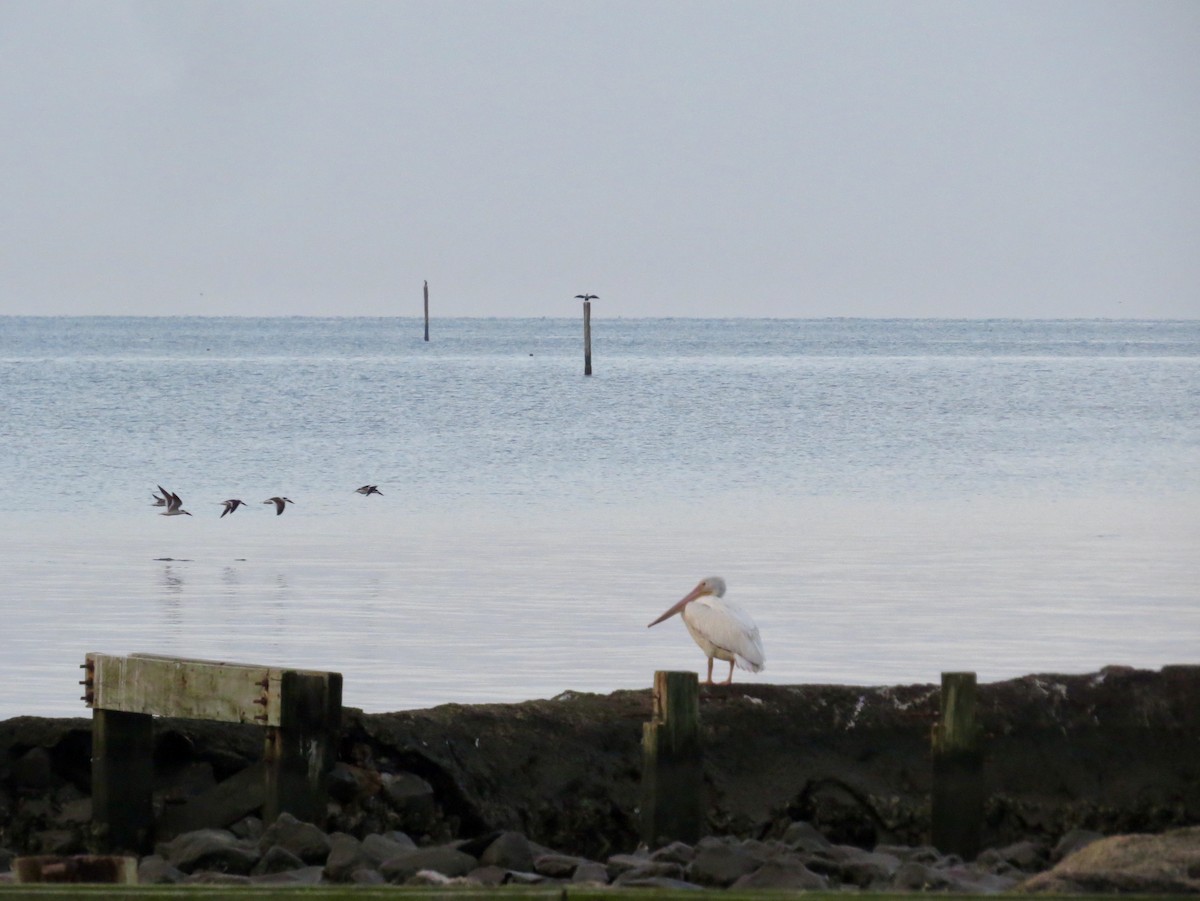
1115,751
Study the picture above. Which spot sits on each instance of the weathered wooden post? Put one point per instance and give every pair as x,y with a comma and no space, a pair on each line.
300,751
673,802
123,779
427,310
587,330
957,770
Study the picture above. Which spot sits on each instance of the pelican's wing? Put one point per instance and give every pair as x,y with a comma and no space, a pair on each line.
730,628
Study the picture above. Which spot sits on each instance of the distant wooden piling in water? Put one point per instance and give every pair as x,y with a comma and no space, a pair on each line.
427,310
958,794
587,338
587,330
673,801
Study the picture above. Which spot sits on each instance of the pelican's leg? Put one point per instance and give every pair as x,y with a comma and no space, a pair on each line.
730,679
709,681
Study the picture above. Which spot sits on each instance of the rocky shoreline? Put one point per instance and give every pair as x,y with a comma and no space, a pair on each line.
825,785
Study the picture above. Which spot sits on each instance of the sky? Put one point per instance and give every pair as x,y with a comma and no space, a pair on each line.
1025,158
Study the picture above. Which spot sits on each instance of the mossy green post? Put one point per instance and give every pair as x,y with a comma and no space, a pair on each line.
957,770
673,802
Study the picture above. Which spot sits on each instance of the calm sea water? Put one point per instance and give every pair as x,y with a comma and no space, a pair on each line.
889,499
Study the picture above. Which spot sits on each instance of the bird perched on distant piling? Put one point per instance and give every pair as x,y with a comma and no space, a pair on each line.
231,506
368,490
721,628
586,297
173,504
280,503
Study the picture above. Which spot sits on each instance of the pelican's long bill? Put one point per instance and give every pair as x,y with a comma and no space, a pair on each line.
679,605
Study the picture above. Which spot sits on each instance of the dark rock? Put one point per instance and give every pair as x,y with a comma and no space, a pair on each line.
58,841
343,783
304,840
647,870
156,870
277,859
972,880
444,859
721,863
590,872
559,866
250,828
215,877
1073,841
346,856
1026,856
379,848
623,863
659,882
75,813
214,850
32,773
919,877
489,875
511,851
904,853
783,872
867,869
299,876
413,800
517,877
676,852
367,877
802,836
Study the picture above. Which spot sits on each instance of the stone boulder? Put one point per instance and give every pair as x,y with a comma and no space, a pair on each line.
210,850
1141,864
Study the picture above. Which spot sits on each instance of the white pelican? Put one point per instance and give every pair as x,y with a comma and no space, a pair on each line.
280,503
231,506
722,629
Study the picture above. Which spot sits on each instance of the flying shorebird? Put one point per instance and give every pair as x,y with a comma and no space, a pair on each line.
159,499
231,506
368,490
173,504
721,628
279,503
586,297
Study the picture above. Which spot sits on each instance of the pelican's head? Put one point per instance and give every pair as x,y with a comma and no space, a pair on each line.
713,585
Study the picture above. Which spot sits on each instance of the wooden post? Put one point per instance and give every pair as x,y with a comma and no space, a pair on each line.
122,779
673,802
957,770
426,310
587,337
301,750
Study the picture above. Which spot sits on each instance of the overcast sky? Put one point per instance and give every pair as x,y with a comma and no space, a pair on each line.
676,158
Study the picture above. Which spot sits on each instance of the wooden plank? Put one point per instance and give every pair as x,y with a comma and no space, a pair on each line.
226,803
673,801
82,868
122,779
190,689
958,792
301,751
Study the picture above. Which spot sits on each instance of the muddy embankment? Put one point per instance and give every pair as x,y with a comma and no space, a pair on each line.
1115,752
